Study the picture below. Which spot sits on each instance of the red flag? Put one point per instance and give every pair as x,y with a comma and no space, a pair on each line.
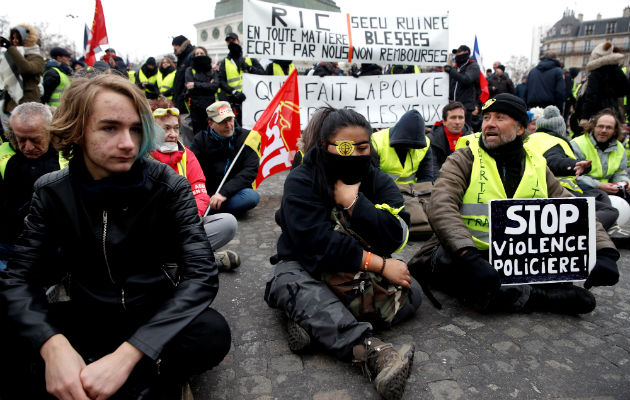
98,34
275,135
483,85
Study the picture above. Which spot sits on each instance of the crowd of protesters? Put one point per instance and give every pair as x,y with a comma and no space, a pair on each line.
100,165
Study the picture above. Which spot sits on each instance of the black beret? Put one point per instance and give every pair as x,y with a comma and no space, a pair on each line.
508,104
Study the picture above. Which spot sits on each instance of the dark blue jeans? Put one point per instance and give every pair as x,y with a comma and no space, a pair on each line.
6,251
243,200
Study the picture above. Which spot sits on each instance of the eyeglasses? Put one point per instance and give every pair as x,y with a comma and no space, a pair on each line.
160,112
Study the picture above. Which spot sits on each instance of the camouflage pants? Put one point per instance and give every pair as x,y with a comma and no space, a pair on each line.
313,305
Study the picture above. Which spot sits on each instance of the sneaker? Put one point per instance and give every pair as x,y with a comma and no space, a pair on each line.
227,260
561,299
387,367
620,236
299,339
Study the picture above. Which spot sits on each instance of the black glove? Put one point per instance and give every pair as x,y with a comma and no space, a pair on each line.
605,271
5,43
447,69
239,97
244,66
478,272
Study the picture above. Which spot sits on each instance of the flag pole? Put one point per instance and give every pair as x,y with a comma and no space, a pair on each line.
226,175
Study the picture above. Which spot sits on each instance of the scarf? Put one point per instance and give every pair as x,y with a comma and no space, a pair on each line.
452,138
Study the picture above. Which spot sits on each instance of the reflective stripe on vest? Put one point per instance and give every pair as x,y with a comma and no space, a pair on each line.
485,185
6,152
465,141
612,163
541,142
166,82
390,163
233,75
277,69
64,83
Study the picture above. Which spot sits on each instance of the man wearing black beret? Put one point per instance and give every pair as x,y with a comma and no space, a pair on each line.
496,165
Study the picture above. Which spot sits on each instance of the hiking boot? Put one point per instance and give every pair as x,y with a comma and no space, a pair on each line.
560,299
620,236
387,367
299,339
227,260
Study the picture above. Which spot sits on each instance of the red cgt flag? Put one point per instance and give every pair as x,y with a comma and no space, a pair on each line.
98,34
274,137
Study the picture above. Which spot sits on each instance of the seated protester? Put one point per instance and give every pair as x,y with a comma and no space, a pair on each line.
551,142
220,228
113,224
23,159
279,67
599,144
201,87
341,219
534,113
445,133
404,150
216,149
455,259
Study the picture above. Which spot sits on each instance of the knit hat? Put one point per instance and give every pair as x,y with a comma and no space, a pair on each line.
219,111
179,40
501,67
22,31
151,61
602,55
552,121
508,104
535,113
59,52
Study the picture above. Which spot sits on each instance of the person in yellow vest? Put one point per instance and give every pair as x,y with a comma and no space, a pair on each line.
599,144
56,76
404,150
230,75
279,67
27,155
146,79
166,77
220,228
497,166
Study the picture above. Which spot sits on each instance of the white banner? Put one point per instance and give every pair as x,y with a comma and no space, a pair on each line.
381,99
277,31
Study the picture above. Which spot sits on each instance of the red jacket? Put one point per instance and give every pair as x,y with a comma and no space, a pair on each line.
192,171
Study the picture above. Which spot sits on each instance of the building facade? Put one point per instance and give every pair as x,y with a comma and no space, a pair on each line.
228,17
573,39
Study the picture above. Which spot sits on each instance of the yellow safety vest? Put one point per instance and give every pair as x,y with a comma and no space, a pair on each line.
541,142
277,69
416,70
64,83
143,78
465,141
485,185
585,143
166,82
390,163
132,76
181,166
627,146
233,75
6,152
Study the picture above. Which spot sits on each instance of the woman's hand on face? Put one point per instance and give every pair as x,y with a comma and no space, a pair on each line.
396,271
345,194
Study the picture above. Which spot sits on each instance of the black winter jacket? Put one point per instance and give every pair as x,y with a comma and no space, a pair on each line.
464,84
206,85
179,85
545,84
307,230
605,86
216,154
112,238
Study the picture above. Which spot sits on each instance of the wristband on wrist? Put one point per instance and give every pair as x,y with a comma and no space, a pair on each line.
383,267
352,204
367,260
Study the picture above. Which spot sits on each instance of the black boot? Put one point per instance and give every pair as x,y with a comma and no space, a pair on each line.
560,299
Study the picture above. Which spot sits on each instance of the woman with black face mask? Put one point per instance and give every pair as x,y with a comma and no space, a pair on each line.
201,87
341,218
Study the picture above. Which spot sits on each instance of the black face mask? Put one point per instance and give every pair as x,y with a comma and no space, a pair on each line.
235,50
202,63
461,59
350,169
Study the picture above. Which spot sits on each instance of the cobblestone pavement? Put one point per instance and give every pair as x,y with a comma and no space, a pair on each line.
460,354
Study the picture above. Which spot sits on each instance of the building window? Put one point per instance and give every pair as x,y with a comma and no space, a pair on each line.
240,28
584,61
589,29
563,48
565,29
228,30
215,33
610,27
204,35
588,45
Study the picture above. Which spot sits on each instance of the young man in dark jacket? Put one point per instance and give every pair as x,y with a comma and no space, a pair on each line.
122,232
445,134
216,149
464,80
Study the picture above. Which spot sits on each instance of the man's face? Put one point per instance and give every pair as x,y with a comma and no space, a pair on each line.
498,129
604,128
31,136
112,135
175,48
498,71
224,128
455,120
65,60
495,65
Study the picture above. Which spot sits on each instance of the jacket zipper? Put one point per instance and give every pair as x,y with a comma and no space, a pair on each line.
109,271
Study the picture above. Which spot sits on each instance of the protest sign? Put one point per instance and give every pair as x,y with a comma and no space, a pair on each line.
277,31
542,240
381,99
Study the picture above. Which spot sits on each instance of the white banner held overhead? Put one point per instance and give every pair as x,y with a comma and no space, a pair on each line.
277,31
382,99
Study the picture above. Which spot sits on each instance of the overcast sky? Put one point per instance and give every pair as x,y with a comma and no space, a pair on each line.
139,29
